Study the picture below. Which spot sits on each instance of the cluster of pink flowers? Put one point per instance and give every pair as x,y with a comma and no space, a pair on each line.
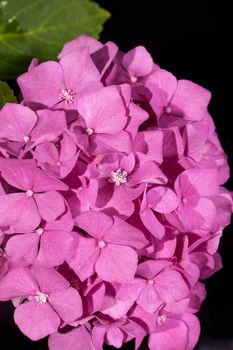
111,200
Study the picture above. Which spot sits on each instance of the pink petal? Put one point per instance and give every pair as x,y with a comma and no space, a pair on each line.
77,76
149,145
149,299
67,303
106,143
43,84
165,282
86,255
77,339
193,325
148,172
162,199
162,84
36,320
149,269
115,337
152,223
50,205
19,211
127,162
137,117
94,223
138,61
43,182
95,298
32,178
118,309
49,280
83,40
16,283
23,249
207,210
131,290
195,141
63,223
194,182
103,110
116,263
98,335
191,99
54,247
46,153
173,145
202,216
173,336
16,122
50,125
104,56
116,235
68,148
10,169
112,200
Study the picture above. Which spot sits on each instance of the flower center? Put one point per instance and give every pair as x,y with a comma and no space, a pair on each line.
29,193
151,282
26,139
67,96
89,131
168,110
118,177
101,244
161,319
184,200
41,297
133,79
39,231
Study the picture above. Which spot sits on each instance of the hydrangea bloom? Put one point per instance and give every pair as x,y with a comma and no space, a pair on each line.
112,202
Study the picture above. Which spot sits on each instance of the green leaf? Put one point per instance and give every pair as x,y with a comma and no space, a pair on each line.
39,28
6,94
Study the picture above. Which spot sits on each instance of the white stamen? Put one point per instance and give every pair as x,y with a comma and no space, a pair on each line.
133,79
184,200
29,193
41,297
168,110
89,131
118,177
67,96
101,244
161,319
151,282
39,231
26,139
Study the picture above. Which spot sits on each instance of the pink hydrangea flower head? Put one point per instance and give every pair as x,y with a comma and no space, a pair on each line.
112,202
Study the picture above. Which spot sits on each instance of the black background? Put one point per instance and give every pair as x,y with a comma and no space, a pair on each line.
192,39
